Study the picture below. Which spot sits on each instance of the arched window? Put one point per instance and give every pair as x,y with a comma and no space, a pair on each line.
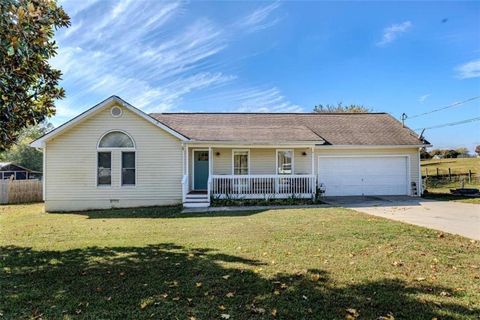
120,142
116,139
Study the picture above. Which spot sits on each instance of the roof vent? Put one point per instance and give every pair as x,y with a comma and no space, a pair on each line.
116,112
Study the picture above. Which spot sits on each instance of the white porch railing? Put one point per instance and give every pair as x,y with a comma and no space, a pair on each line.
262,186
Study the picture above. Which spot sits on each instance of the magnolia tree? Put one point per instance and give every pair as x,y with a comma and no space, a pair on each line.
29,84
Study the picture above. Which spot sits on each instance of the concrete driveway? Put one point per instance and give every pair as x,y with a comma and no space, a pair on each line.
453,217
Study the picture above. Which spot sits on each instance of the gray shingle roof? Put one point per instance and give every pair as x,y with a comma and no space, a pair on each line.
333,128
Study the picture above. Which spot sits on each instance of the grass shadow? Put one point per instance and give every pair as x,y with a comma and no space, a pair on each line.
446,196
168,281
158,212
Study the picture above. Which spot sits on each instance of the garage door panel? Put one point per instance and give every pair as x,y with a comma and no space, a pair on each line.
348,176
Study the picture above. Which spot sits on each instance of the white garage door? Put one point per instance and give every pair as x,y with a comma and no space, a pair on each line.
351,176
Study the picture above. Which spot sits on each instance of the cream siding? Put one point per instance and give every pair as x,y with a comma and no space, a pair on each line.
71,166
411,152
303,163
262,160
222,163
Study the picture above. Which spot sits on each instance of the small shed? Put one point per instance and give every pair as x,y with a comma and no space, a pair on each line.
9,170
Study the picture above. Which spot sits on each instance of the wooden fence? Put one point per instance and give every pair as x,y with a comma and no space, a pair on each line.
20,191
451,175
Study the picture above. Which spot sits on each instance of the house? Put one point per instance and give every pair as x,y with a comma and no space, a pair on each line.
9,170
114,155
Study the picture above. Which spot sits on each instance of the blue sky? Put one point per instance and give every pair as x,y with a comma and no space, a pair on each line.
409,57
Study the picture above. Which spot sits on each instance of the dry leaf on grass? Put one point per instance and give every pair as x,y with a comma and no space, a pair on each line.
389,316
351,314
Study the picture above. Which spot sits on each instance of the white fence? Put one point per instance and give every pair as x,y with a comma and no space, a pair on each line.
262,186
20,191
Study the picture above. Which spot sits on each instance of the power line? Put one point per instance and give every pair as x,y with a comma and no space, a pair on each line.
444,107
451,124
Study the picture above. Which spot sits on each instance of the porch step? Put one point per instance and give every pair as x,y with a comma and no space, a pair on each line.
189,204
196,200
197,196
205,199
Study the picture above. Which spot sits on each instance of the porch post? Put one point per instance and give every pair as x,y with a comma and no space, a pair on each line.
314,179
184,171
313,160
210,160
210,166
187,163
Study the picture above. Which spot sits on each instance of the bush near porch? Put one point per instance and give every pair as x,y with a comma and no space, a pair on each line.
323,263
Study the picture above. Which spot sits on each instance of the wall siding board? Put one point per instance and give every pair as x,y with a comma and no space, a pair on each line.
72,161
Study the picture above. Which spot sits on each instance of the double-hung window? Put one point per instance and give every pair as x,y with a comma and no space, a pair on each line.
284,161
240,162
104,168
116,145
128,168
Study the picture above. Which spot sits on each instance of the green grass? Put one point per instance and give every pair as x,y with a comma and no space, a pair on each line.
284,264
460,165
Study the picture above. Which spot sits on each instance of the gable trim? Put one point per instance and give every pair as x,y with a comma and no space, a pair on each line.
40,142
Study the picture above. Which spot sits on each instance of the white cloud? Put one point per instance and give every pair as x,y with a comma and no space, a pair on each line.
392,32
468,70
73,7
258,19
259,99
63,110
152,61
119,8
424,97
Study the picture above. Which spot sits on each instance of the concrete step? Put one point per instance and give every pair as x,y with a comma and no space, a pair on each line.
196,204
195,196
196,200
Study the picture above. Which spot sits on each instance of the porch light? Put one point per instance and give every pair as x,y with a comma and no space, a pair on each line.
217,153
304,153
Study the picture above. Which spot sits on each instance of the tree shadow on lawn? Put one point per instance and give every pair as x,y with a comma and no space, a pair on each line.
168,281
156,212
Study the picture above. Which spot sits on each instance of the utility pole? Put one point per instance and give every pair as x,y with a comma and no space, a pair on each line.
404,117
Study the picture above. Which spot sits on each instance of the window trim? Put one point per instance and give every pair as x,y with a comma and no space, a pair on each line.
114,151
116,148
276,161
233,159
122,185
111,170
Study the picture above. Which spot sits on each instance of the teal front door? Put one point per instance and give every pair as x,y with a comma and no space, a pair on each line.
200,170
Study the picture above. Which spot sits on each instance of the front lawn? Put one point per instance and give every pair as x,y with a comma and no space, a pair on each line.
323,263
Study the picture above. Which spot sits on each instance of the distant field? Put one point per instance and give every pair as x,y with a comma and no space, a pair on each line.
443,185
456,165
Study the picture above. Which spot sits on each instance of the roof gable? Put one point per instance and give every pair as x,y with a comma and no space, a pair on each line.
111,101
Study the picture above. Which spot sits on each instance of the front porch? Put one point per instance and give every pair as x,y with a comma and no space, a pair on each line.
247,172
